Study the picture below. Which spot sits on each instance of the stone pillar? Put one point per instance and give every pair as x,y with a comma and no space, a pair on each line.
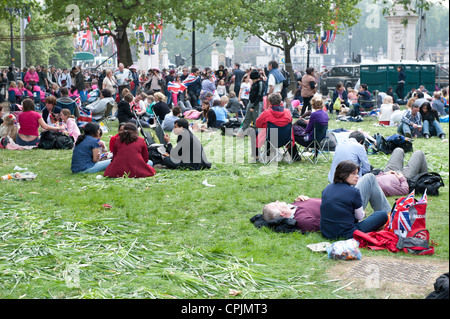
399,33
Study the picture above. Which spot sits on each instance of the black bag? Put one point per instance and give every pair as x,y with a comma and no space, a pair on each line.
429,181
63,141
154,155
231,126
47,140
55,140
440,288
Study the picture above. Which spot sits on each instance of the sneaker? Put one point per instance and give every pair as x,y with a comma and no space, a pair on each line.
427,136
442,136
159,166
408,134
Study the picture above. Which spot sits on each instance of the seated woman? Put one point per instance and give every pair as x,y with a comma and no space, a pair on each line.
305,211
130,155
50,109
30,121
70,124
342,207
13,88
304,136
188,153
98,108
208,116
341,94
86,153
386,110
124,113
430,124
221,111
161,109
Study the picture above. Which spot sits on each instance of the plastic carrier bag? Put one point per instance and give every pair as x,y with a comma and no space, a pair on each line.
344,250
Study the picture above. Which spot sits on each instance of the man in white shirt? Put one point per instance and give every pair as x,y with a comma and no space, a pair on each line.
123,77
275,80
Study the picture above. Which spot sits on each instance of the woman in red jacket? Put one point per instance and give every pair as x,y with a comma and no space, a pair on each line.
130,155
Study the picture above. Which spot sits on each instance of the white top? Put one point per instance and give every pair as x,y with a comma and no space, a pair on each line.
276,87
385,112
245,90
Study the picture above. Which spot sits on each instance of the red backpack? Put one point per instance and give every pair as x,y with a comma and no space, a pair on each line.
407,217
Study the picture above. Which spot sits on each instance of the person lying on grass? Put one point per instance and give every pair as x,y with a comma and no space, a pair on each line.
188,153
304,210
86,153
393,180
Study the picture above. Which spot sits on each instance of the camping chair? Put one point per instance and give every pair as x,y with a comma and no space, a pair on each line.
318,145
279,144
104,119
70,106
365,110
37,100
12,99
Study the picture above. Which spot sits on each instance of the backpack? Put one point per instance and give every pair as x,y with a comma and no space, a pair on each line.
407,217
398,140
287,78
63,141
426,182
231,126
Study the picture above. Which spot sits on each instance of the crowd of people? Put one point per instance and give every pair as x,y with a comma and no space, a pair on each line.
254,97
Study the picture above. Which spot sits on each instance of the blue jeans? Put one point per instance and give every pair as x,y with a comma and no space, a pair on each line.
432,129
21,142
373,222
98,167
404,128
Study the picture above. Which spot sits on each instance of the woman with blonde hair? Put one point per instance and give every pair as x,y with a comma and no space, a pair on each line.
304,136
161,109
109,82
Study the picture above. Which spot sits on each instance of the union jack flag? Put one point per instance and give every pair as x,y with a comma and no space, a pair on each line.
213,77
140,35
190,79
175,87
86,40
85,117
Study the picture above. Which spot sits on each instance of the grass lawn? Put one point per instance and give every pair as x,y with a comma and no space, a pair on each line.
170,236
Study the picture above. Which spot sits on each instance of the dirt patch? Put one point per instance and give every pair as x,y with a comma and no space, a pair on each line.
388,277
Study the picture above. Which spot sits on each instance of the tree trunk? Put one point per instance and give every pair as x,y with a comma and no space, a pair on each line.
123,49
289,69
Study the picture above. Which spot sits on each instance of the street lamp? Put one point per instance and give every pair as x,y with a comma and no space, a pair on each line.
308,32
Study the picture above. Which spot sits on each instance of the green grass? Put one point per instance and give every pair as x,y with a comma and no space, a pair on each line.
169,236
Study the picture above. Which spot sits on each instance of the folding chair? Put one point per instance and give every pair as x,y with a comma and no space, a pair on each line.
105,117
278,138
317,145
70,106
